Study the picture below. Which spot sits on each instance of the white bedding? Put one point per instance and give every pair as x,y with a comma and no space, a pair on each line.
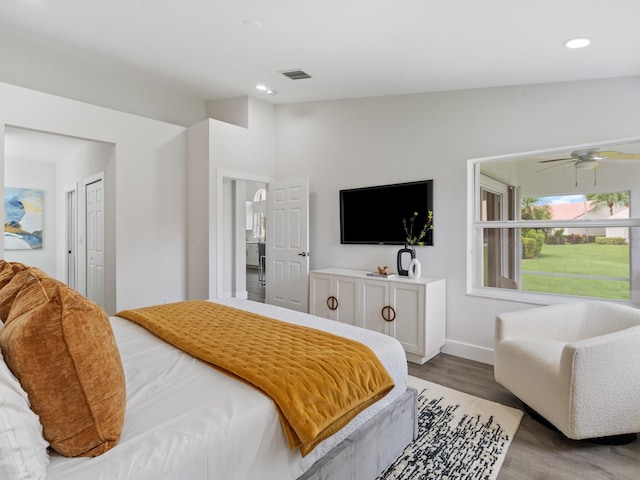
185,420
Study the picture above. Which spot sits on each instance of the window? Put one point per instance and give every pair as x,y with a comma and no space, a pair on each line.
259,202
545,226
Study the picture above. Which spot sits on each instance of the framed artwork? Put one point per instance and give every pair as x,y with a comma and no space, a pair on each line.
22,218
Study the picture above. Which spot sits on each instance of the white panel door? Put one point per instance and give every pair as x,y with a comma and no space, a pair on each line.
287,248
95,242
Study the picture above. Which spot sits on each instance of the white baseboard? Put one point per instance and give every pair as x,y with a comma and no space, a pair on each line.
244,295
472,352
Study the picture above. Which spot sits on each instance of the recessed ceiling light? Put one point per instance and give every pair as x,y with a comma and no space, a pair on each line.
252,24
577,42
267,90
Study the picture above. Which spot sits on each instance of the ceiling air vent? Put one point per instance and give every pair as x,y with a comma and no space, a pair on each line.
296,74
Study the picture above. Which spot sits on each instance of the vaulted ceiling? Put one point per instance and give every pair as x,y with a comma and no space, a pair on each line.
213,49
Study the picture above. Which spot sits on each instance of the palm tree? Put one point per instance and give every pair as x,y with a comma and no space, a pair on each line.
609,200
532,209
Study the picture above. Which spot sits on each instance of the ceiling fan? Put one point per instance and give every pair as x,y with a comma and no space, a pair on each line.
590,159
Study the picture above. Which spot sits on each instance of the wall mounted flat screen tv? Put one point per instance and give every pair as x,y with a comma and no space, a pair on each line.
373,215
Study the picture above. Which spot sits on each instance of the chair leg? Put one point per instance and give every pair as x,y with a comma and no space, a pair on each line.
622,439
539,418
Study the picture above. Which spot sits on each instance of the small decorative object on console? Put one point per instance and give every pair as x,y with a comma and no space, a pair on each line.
383,272
412,254
414,269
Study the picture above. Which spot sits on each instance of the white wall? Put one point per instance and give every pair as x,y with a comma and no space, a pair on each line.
90,159
236,153
336,144
149,187
23,173
350,143
87,79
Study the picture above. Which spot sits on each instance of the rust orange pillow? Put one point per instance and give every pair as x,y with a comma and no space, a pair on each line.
61,348
9,291
6,273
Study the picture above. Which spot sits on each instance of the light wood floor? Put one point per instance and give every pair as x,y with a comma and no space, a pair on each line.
536,453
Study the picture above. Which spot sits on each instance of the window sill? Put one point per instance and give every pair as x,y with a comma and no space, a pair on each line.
536,298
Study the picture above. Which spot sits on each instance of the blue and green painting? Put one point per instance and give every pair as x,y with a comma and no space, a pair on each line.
22,218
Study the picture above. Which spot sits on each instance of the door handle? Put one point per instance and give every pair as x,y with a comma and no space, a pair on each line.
303,254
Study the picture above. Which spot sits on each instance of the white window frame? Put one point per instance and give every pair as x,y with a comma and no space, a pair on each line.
501,189
475,235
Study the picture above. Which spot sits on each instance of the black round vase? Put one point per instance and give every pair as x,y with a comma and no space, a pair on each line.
403,252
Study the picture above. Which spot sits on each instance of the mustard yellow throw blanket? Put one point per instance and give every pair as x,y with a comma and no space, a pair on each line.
318,381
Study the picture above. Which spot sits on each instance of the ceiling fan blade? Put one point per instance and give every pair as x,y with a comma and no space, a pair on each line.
557,160
612,155
556,165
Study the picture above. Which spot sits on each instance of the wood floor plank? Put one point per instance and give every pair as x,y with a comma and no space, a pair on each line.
536,453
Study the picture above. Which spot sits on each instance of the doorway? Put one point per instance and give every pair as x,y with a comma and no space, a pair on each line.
286,255
255,238
231,233
61,166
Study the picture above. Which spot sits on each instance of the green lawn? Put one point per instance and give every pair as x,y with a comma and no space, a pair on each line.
584,259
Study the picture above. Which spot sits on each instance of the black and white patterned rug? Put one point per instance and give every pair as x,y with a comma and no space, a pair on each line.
459,437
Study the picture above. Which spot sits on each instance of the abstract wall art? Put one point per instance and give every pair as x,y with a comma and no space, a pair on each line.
22,218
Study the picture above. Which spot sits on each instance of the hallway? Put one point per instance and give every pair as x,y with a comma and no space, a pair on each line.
255,288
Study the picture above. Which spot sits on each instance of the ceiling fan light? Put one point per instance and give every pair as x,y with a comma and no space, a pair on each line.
586,164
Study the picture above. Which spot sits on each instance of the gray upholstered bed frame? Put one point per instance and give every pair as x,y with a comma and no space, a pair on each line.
371,448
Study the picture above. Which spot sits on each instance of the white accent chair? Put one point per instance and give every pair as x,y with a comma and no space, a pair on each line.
577,365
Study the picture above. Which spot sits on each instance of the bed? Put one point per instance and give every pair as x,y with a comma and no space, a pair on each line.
186,420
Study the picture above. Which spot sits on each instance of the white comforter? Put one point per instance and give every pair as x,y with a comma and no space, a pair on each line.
186,421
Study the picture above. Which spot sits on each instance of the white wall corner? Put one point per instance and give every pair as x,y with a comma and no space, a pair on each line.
230,110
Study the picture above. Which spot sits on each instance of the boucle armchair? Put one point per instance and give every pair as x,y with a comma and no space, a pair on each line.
577,365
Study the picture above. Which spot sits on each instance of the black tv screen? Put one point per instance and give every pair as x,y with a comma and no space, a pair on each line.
373,215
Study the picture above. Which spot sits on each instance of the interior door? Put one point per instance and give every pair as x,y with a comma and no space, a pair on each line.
287,249
95,242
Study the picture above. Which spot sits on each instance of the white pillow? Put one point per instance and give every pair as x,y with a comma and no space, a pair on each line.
23,449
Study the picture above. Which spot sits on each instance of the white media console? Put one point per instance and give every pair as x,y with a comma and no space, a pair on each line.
412,311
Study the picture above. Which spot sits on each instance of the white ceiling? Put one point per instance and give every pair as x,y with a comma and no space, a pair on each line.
213,49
